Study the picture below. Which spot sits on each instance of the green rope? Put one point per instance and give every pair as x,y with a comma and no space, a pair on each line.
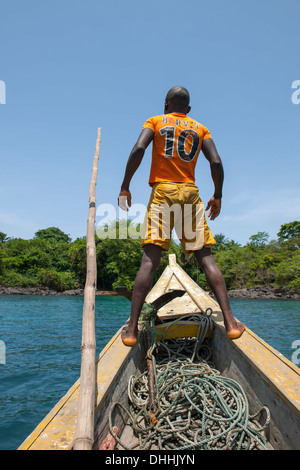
148,314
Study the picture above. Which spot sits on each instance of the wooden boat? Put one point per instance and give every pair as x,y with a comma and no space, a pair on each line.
266,376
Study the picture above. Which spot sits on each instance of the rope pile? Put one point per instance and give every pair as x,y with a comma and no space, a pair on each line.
197,407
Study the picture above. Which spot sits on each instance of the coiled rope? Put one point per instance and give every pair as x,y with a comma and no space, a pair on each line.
197,408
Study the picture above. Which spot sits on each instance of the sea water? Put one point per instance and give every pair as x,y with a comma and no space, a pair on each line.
41,340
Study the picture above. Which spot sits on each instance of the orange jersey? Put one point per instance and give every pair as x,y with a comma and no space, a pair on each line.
176,146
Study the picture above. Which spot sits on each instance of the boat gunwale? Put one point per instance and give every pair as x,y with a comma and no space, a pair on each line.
36,433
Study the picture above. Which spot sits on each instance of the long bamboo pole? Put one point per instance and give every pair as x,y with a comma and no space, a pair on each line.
84,435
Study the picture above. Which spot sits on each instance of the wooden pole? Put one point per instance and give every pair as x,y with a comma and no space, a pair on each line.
84,435
151,382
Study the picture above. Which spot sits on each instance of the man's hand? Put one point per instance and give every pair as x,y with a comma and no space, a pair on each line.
124,197
214,205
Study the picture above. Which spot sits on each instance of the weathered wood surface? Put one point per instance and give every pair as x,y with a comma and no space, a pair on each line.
84,436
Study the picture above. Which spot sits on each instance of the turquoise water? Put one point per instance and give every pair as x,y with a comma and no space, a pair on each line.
42,336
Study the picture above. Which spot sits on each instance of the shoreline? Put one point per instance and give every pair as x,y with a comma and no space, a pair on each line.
257,292
47,291
265,292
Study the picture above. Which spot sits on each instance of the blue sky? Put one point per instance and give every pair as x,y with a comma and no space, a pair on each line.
73,66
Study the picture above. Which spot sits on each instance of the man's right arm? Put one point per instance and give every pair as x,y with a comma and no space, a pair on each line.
217,173
134,161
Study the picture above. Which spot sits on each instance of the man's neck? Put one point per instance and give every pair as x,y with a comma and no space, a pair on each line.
176,111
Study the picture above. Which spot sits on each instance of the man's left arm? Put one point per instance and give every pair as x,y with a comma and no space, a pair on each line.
217,174
134,161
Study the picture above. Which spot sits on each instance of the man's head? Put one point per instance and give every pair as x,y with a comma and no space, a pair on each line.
177,100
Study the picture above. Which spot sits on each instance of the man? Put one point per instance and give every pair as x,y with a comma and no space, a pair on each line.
177,141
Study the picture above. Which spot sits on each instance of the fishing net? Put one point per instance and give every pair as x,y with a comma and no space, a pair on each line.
196,407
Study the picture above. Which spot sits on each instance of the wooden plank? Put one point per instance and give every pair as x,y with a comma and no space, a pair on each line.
180,329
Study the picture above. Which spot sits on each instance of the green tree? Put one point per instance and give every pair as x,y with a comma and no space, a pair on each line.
221,242
2,262
259,240
23,255
288,272
57,245
53,234
26,261
289,230
77,258
52,259
56,280
3,237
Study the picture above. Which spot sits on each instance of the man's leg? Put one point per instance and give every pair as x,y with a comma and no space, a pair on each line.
216,282
142,285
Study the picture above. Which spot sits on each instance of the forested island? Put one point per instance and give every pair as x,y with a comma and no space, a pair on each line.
51,263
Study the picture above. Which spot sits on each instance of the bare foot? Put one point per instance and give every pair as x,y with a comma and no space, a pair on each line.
235,331
129,337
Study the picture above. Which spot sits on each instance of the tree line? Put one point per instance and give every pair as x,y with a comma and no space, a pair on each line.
51,259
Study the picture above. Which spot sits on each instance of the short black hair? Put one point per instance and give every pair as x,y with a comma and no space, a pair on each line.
178,96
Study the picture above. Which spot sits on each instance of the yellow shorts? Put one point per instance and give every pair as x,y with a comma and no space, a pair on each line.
176,205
